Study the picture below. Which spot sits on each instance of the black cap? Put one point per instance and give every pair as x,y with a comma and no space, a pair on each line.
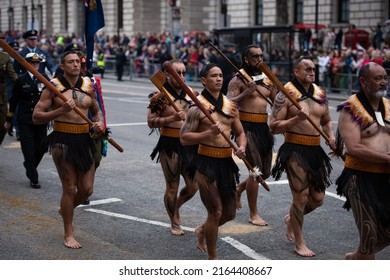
30,34
14,45
229,45
73,47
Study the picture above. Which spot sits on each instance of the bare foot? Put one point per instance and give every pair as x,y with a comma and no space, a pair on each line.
238,200
350,256
289,231
176,230
71,243
201,240
303,251
257,221
357,256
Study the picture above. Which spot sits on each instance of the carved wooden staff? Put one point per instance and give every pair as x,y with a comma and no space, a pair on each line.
158,80
52,88
280,86
176,76
245,77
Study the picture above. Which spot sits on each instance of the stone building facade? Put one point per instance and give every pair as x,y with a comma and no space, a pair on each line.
129,16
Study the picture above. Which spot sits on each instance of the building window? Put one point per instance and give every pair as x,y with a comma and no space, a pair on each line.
343,11
64,15
259,12
120,14
40,16
298,11
25,18
10,13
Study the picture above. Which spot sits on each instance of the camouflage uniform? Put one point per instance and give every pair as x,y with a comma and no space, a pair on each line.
6,68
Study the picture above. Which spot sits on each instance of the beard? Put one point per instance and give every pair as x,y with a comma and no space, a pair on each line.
380,93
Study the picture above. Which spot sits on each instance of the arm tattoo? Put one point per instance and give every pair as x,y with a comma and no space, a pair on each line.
233,90
192,120
279,102
97,114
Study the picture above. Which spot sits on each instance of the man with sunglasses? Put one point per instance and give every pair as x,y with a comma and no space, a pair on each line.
254,117
307,165
31,39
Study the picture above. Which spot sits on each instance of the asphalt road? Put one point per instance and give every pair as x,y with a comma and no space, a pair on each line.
126,219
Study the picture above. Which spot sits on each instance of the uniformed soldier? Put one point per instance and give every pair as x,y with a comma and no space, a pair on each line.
31,39
27,91
6,70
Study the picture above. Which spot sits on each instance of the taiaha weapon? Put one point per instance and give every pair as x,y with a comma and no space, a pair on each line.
280,86
253,171
158,80
52,88
241,72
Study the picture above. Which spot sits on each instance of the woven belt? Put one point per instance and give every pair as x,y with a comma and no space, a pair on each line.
214,151
300,139
353,163
170,132
251,117
73,128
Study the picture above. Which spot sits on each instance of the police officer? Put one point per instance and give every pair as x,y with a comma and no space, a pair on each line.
27,91
31,39
6,70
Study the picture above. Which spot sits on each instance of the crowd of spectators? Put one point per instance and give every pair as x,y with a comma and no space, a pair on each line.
146,52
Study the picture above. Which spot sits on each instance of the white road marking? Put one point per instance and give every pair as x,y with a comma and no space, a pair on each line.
280,182
101,201
285,182
236,244
335,196
243,248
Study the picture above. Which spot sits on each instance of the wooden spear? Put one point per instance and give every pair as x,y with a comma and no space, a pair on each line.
26,65
245,77
176,76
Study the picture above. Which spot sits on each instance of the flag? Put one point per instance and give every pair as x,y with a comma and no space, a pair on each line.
94,20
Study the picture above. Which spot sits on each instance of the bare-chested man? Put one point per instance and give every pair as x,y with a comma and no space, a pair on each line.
254,117
215,171
174,158
307,165
364,127
70,142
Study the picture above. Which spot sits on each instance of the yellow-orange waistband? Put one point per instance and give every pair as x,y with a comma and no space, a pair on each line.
73,128
214,151
252,117
353,163
307,140
170,132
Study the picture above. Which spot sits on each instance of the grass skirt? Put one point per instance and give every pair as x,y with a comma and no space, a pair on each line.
78,149
312,159
222,170
372,188
260,142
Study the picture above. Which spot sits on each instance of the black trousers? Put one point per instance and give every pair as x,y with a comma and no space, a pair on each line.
31,137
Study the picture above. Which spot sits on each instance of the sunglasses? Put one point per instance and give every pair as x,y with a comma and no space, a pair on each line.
181,73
